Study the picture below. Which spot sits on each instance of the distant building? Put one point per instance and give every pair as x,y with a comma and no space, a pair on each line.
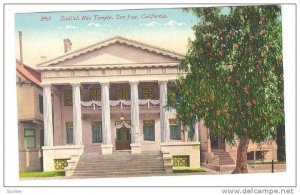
30,117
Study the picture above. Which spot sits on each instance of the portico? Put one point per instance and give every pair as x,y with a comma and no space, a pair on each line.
110,96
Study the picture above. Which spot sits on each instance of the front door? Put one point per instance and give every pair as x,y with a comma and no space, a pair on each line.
217,141
123,139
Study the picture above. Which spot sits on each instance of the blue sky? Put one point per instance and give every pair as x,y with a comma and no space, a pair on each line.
44,38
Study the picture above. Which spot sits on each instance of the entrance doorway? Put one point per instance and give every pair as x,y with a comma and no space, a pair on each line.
217,141
123,139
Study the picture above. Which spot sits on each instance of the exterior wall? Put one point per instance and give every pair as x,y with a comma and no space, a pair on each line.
57,118
30,159
59,152
28,102
25,102
191,149
270,149
29,116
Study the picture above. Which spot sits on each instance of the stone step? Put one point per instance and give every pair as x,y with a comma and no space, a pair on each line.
115,168
120,156
123,162
108,166
116,174
119,163
221,157
122,153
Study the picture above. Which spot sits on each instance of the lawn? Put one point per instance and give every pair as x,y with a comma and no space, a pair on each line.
187,170
41,174
266,163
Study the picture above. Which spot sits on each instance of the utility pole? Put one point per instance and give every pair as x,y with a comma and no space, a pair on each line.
21,47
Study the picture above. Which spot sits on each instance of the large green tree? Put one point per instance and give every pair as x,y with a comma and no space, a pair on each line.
235,75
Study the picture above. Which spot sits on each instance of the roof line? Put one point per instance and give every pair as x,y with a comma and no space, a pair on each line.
101,44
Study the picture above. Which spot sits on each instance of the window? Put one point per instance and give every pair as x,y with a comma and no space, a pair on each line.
68,97
95,94
259,155
41,104
122,93
96,132
250,155
29,138
174,130
69,128
147,92
149,130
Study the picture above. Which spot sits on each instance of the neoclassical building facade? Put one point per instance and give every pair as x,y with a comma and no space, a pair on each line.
111,96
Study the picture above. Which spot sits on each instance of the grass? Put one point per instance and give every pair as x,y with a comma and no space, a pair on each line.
266,163
187,170
41,174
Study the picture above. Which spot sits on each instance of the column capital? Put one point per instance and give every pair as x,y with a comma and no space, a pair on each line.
133,82
75,84
105,84
163,82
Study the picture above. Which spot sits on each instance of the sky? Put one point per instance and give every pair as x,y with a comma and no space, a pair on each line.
43,33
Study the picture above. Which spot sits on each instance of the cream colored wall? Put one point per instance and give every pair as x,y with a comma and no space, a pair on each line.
192,149
25,101
50,153
28,102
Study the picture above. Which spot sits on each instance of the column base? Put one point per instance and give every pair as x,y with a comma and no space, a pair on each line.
136,148
106,149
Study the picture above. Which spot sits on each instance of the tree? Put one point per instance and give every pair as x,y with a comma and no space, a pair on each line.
235,75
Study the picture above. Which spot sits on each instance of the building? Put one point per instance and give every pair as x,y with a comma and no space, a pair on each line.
30,117
217,154
111,97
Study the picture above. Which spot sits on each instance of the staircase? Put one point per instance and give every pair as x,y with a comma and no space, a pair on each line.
119,164
221,157
219,160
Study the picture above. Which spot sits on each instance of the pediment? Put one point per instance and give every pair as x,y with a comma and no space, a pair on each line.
115,51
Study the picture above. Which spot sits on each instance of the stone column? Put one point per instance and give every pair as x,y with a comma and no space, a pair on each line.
196,134
77,124
48,125
164,115
135,118
106,128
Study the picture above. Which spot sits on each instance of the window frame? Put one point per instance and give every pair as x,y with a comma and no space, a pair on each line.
68,97
151,123
69,125
29,136
95,94
122,93
174,123
147,92
100,133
